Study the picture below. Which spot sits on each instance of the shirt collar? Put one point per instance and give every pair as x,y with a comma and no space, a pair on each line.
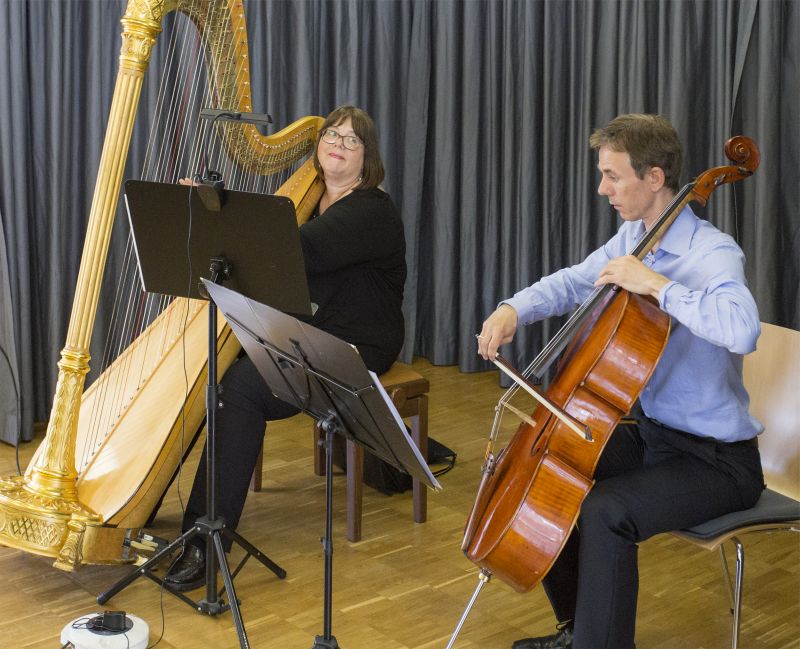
678,237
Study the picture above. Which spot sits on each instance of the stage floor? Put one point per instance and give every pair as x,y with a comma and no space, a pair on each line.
403,586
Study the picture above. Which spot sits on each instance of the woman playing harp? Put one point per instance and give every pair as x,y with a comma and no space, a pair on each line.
354,250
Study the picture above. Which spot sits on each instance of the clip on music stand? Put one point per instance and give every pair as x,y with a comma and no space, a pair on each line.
326,378
253,244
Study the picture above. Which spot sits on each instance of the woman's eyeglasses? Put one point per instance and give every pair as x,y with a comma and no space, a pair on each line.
331,136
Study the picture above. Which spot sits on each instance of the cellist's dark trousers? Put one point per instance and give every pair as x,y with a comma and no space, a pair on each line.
650,479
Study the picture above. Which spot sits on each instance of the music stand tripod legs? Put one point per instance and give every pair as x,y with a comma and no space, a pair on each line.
210,526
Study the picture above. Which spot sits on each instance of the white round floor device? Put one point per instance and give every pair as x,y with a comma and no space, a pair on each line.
109,630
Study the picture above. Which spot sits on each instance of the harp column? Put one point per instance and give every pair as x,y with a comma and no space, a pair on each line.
40,512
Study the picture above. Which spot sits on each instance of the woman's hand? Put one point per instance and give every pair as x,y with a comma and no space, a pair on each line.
188,181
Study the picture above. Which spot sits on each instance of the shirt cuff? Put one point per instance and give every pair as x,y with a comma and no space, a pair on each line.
518,306
668,297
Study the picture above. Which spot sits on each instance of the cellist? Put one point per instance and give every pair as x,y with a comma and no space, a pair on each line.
693,454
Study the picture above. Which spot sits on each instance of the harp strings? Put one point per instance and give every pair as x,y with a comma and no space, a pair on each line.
122,369
141,324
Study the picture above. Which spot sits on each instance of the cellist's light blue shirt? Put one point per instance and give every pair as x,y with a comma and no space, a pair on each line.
697,385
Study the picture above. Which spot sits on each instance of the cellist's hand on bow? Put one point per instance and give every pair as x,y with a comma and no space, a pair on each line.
498,329
631,274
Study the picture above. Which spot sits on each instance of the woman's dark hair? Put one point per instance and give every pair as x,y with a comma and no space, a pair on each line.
649,140
363,126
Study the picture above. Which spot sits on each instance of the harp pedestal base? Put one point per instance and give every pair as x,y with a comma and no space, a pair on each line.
54,526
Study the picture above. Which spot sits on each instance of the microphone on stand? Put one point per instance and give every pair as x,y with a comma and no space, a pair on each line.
260,119
211,189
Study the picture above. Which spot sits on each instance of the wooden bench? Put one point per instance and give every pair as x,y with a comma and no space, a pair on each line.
409,393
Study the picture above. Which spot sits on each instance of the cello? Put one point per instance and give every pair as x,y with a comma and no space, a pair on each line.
531,492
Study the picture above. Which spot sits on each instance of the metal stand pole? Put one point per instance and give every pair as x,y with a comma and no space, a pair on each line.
209,525
327,641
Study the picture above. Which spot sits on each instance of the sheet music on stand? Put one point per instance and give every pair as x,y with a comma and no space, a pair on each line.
321,374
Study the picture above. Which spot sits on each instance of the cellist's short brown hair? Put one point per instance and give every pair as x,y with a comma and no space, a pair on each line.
649,140
363,126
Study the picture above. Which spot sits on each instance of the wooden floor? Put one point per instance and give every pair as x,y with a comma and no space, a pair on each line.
404,585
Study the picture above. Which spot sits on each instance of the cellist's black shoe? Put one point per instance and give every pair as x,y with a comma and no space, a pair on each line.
561,639
189,572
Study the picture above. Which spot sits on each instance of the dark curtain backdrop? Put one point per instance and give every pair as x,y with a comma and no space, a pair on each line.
483,108
9,372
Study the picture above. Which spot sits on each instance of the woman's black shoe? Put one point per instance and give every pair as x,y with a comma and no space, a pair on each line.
189,572
562,639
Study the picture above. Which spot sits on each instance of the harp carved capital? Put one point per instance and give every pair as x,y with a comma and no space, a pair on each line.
141,25
151,11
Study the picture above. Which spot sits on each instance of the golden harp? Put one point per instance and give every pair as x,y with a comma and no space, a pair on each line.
111,450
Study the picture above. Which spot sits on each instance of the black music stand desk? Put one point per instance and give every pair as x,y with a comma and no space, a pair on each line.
253,244
326,378
175,236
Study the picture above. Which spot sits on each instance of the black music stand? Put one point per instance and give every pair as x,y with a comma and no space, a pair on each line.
326,378
252,243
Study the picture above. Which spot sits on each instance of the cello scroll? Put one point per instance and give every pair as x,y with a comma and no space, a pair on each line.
739,149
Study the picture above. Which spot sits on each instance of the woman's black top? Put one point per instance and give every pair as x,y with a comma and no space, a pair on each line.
355,257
